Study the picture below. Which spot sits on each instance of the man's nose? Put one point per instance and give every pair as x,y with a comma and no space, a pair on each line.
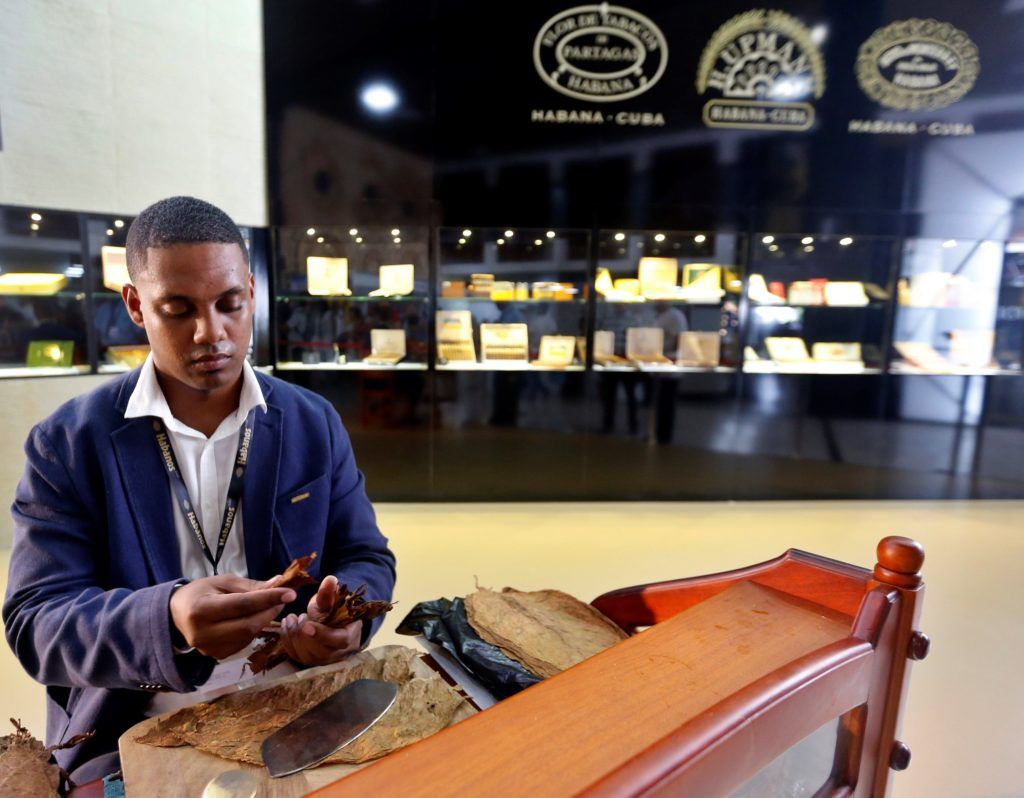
209,329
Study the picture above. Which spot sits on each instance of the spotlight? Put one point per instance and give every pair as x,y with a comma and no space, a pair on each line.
768,240
118,223
380,98
700,238
845,241
311,231
659,237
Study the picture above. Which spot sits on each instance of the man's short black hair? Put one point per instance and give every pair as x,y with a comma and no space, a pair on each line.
179,220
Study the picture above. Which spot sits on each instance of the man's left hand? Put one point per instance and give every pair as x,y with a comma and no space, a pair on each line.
310,642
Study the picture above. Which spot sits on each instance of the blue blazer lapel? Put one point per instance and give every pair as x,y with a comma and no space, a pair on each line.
260,492
149,496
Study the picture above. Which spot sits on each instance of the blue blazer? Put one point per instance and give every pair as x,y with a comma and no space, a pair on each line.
95,552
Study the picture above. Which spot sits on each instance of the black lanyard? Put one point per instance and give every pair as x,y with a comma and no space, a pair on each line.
163,442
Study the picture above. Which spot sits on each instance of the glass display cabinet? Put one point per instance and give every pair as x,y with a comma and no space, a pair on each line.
349,298
818,304
667,301
948,308
511,300
121,344
43,300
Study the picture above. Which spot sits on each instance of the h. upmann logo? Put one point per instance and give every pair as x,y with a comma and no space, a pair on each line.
600,53
766,69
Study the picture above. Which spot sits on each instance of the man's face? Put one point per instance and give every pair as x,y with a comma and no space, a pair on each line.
195,302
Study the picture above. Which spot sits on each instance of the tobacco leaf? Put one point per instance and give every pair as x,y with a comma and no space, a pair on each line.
349,606
295,575
235,726
545,630
25,766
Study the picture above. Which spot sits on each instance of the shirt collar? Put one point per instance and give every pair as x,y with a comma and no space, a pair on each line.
148,400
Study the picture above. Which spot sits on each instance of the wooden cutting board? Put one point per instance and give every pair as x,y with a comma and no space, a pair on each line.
152,772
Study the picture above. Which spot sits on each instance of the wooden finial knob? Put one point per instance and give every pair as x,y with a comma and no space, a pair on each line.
899,561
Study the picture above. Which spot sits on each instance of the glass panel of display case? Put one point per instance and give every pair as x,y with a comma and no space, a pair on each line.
511,299
667,301
949,305
42,294
351,298
818,304
122,345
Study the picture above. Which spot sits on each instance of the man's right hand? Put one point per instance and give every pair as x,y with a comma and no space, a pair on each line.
218,615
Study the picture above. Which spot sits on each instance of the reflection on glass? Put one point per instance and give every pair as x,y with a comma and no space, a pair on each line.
799,772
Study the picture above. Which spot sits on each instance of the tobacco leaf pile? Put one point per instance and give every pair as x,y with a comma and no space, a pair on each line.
235,726
545,630
349,606
25,766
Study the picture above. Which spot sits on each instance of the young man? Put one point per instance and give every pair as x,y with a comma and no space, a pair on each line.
156,510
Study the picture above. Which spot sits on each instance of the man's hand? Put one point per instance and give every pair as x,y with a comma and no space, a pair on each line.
219,615
310,642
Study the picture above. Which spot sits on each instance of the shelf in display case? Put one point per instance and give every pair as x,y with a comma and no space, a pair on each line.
669,369
356,366
492,366
874,303
709,303
448,299
904,369
41,371
351,298
771,367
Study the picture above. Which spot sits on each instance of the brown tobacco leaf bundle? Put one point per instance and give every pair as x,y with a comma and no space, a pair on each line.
235,726
349,606
25,766
546,631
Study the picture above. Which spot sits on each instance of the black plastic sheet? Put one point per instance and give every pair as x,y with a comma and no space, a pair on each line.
445,623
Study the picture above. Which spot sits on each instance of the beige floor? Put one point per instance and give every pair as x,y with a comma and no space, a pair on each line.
965,714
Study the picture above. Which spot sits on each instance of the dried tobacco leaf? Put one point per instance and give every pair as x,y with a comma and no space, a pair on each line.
348,607
545,630
295,575
25,766
235,726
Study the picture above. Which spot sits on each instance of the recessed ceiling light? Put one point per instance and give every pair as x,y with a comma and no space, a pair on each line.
659,237
311,231
768,240
845,241
700,238
807,240
118,223
36,217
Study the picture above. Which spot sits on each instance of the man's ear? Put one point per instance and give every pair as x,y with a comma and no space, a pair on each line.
133,304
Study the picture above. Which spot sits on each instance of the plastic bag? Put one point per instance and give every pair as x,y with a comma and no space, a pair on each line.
444,623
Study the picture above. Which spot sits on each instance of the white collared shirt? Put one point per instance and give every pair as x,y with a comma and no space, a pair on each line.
206,465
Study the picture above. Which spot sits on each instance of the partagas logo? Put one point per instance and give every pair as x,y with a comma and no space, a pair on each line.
600,53
766,71
916,64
